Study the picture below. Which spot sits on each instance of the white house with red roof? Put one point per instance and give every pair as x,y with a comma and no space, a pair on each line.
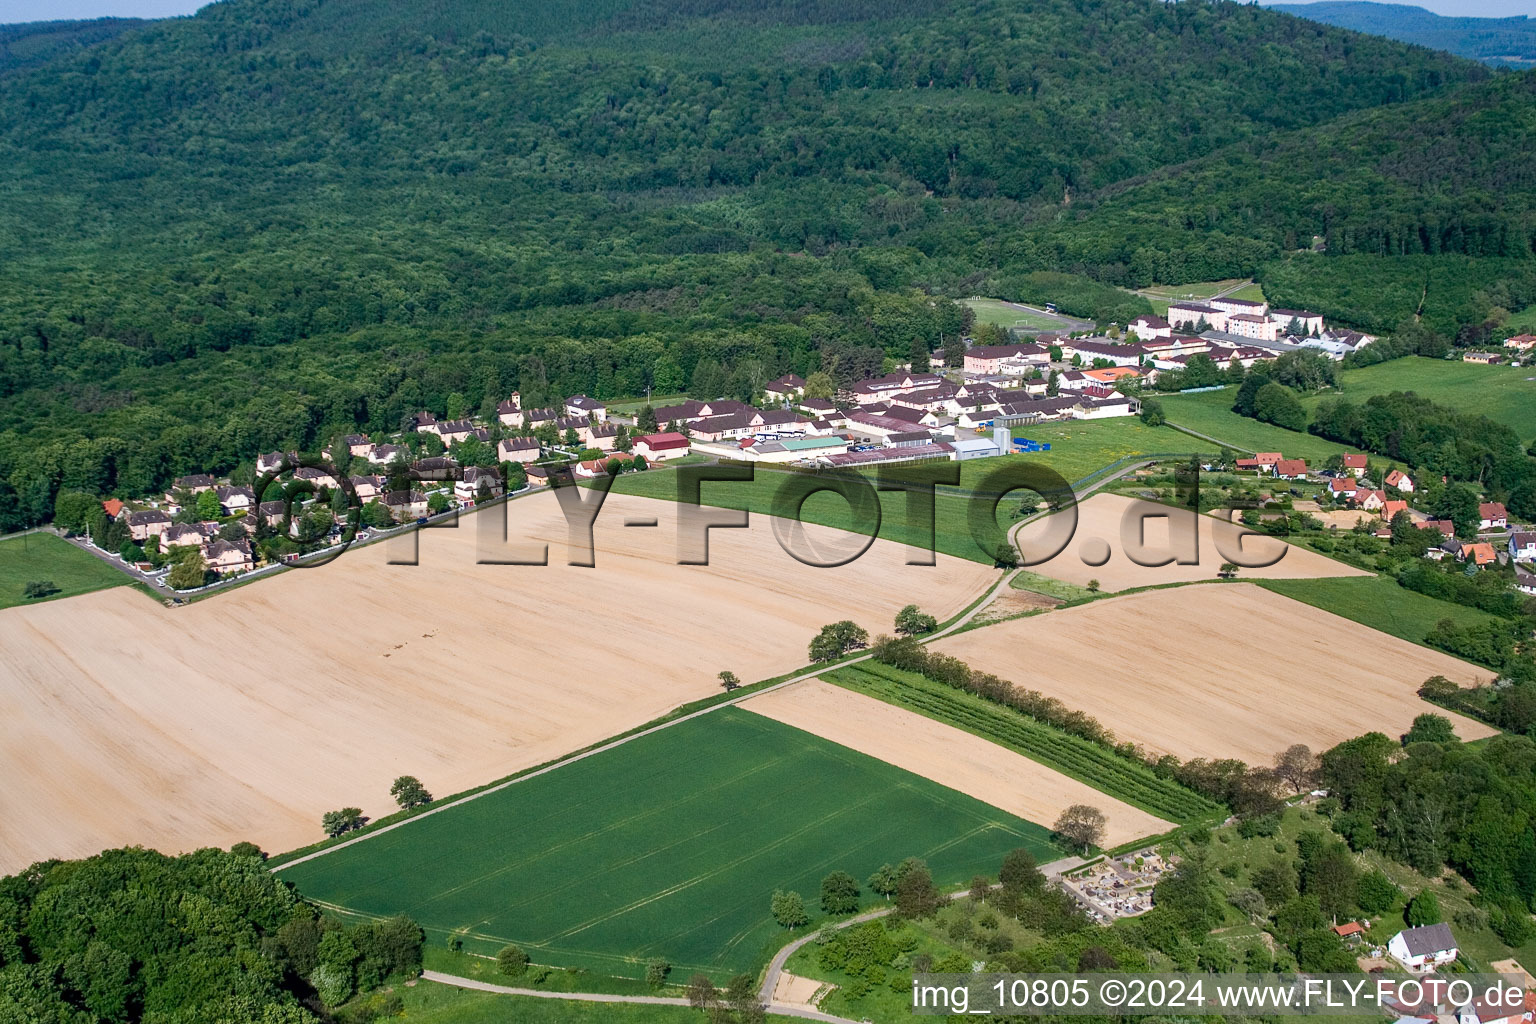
1492,516
1354,462
1398,480
1291,469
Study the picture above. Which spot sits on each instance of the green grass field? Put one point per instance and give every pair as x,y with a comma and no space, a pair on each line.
996,311
1161,295
1088,762
1378,602
428,1002
1078,448
669,846
1502,393
42,556
1210,413
1522,322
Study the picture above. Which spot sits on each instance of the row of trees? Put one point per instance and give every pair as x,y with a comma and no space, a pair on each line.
407,791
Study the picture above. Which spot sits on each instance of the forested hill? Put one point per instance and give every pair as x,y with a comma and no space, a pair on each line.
241,230
37,42
1495,40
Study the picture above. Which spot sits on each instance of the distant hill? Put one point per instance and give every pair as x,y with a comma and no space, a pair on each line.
1509,41
38,42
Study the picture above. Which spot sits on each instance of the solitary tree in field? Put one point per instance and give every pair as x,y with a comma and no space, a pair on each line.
788,909
1296,765
347,819
729,682
1006,556
512,961
912,621
409,792
837,639
1093,586
1227,570
839,893
38,588
656,971
1081,825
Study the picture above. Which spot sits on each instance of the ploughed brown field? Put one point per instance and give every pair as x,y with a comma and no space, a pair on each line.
1220,670
1101,524
949,756
248,715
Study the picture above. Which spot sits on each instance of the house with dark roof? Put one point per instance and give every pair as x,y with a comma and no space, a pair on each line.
1522,546
789,386
584,407
1423,949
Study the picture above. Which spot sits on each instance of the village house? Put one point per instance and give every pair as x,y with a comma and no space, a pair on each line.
780,421
988,358
1291,469
230,556
1370,500
387,454
509,413
1391,508
1444,527
365,487
1483,1011
435,467
586,408
1423,949
1148,327
1343,487
185,535
1263,462
817,407
517,449
454,431
1525,581
147,524
405,505
602,436
1492,516
112,507
660,447
1522,546
474,481
1480,553
235,499
785,388
316,478
1521,342
197,483
539,417
271,462
424,422
1400,481
358,445
1354,463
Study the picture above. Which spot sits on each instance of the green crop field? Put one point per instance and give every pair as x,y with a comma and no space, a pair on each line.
1502,393
1004,314
39,557
1078,448
1098,766
1378,602
1210,413
668,846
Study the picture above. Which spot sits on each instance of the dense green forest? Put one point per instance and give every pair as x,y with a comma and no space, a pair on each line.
204,938
283,218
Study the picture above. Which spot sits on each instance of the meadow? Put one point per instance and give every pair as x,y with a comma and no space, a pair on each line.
1504,394
1378,602
39,557
1079,449
669,846
1210,413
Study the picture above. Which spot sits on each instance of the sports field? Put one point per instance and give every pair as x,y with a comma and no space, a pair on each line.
1502,393
668,846
1210,413
42,557
1006,314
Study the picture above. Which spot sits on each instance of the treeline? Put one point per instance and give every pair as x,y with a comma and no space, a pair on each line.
1432,438
1248,791
1434,805
134,935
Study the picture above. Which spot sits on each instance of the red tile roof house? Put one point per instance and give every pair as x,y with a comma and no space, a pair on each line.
1398,480
1348,928
1291,469
1481,553
1492,516
1355,463
1264,462
1489,1012
1343,486
1370,500
1445,527
112,507
659,447
1390,509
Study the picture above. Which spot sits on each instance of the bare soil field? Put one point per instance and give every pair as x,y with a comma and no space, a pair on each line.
949,756
246,716
1223,670
1100,524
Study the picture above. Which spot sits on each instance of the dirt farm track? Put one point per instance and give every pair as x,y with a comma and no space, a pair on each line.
1219,670
245,717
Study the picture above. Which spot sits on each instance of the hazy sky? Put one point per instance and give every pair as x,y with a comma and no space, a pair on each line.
48,10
